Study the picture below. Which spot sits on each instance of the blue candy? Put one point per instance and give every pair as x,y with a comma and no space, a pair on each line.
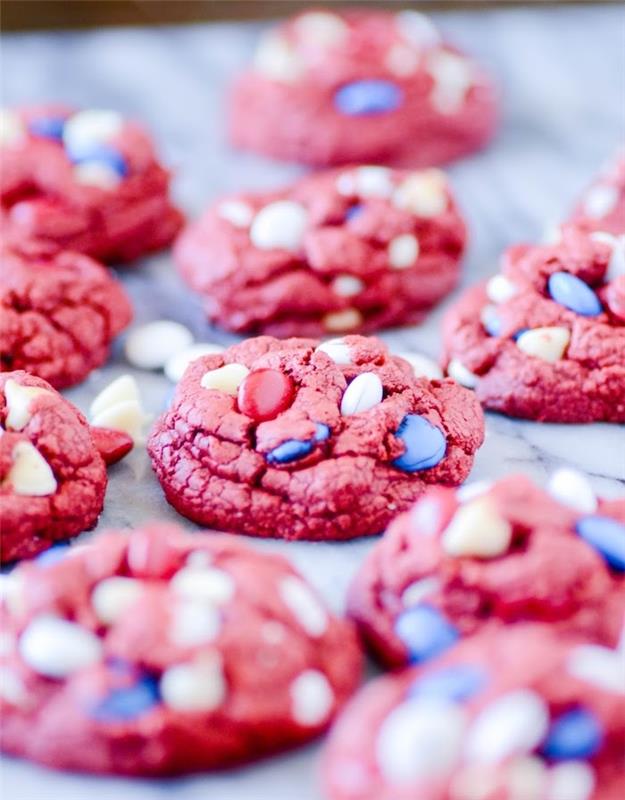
128,702
100,154
322,432
457,683
492,323
52,556
575,734
425,444
353,211
365,97
289,451
571,292
518,333
607,536
425,632
47,127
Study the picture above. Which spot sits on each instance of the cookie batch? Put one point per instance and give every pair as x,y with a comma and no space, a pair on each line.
497,606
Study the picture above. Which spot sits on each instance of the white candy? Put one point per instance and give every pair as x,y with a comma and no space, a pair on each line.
500,289
12,129
571,488
95,173
150,346
548,344
18,399
514,724
477,530
347,285
280,225
312,698
194,686
462,375
194,623
113,596
337,349
489,317
304,606
571,780
423,193
417,28
236,212
276,59
56,647
176,365
402,60
403,251
526,779
208,584
363,393
419,590
91,127
452,75
122,390
600,200
118,406
420,740
321,28
346,320
600,666
366,181
423,367
225,379
30,474
616,265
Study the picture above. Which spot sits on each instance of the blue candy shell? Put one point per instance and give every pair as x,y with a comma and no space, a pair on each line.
368,97
101,154
425,632
288,451
128,702
353,211
574,734
607,536
322,431
47,127
458,682
425,444
53,555
571,292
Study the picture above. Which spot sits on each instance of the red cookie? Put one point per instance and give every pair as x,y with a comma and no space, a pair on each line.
52,477
545,338
85,180
355,442
480,557
514,714
349,250
360,85
59,312
156,652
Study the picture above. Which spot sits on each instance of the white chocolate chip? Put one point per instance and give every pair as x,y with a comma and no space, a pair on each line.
12,129
236,212
176,365
56,647
225,379
150,346
18,399
573,780
514,724
347,320
208,584
87,128
423,193
321,28
401,60
616,265
304,606
422,366
571,488
417,591
194,623
452,75
122,390
337,349
276,59
601,200
477,530
403,251
417,28
526,778
194,686
347,286
112,596
599,666
312,698
462,375
98,174
362,394
500,289
30,474
548,344
279,226
373,181
127,416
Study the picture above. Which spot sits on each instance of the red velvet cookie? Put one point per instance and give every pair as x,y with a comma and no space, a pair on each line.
480,557
348,250
297,440
360,85
85,180
52,476
59,311
514,714
156,652
545,338
602,207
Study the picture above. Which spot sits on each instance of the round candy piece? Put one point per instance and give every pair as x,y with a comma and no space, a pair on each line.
47,127
265,393
457,682
365,97
574,734
607,536
128,702
571,292
425,632
425,444
291,450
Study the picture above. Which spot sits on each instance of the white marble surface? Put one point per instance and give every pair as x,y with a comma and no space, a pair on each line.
562,72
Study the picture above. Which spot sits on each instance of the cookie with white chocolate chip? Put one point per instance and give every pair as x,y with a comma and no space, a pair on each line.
334,87
343,251
157,652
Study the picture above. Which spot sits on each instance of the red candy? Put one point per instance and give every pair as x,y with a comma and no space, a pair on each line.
265,393
112,445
